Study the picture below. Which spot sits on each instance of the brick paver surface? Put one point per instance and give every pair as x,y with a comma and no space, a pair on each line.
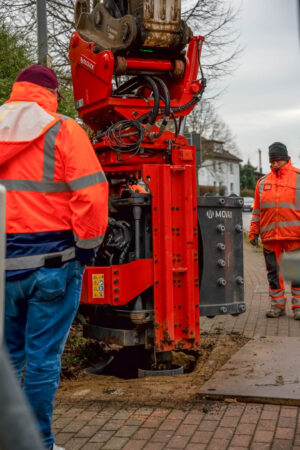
222,426
207,425
253,322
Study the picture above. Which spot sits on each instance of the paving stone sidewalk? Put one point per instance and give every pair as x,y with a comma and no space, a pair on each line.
253,322
79,424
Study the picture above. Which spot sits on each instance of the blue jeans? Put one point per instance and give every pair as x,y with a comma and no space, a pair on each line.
39,311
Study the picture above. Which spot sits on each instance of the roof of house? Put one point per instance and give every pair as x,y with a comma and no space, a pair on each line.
222,155
209,152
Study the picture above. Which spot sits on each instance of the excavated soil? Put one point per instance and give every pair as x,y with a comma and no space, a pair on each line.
199,366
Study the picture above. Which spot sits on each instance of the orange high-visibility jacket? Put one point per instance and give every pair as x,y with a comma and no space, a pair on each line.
57,193
276,210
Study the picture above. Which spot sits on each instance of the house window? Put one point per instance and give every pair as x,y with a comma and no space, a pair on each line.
220,167
231,168
218,147
214,165
231,187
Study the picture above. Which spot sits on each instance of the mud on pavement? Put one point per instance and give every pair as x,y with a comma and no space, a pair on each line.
215,350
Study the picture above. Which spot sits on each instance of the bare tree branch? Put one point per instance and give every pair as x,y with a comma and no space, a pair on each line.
214,19
205,121
211,18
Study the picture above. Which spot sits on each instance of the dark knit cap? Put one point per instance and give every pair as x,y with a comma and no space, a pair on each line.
277,150
40,75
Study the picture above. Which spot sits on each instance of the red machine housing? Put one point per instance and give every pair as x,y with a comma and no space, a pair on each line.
167,165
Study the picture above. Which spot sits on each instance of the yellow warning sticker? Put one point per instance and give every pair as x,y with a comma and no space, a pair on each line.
98,285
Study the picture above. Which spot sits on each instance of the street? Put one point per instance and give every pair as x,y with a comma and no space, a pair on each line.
246,220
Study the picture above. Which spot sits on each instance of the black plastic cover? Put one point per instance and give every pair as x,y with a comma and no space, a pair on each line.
221,272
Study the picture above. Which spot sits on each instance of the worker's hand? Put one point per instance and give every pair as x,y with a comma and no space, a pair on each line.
254,241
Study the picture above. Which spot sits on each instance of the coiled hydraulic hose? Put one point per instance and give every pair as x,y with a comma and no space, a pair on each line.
132,84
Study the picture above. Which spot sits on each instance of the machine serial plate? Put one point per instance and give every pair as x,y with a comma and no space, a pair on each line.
98,285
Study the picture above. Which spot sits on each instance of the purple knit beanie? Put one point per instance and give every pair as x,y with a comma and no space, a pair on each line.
40,75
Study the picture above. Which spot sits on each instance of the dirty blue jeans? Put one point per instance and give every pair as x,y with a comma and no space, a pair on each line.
39,311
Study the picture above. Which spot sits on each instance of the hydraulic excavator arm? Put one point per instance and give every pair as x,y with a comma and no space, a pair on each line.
135,66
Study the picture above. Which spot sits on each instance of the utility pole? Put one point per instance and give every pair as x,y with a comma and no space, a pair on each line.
259,157
42,34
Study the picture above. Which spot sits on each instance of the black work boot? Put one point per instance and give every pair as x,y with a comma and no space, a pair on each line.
297,313
276,311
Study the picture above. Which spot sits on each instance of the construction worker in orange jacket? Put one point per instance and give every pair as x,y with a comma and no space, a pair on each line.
276,218
56,216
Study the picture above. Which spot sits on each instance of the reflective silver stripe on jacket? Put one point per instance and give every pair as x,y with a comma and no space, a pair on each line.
88,243
48,185
267,205
288,205
295,291
260,189
295,301
53,186
297,194
86,181
267,228
49,152
291,223
35,261
35,186
255,219
261,185
256,211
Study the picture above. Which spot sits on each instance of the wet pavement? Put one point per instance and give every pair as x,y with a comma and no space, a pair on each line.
209,425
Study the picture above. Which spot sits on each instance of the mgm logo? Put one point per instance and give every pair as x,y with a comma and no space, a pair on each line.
218,214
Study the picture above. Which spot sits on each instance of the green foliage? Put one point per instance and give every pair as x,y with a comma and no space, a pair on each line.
14,56
202,190
79,353
222,190
247,192
66,106
247,176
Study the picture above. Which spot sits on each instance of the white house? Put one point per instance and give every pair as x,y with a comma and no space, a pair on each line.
218,170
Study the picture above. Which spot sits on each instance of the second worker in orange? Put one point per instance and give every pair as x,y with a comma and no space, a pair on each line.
276,218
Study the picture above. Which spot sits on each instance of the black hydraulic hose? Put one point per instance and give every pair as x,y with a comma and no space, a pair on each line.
166,93
137,215
128,86
155,91
196,98
175,123
166,100
134,83
123,254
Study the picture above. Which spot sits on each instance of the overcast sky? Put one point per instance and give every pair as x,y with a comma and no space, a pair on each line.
262,101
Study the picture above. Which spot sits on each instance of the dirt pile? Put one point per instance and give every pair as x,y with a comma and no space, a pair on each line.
200,365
